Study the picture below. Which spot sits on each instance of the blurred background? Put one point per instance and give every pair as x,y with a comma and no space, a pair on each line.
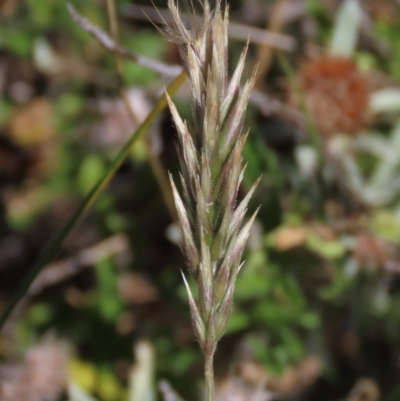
317,303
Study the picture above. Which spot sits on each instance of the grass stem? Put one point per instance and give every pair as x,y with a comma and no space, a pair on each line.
209,376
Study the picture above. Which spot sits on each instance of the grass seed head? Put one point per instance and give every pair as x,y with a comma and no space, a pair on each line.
210,152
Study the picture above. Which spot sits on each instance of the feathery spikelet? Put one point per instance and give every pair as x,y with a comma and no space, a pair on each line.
213,232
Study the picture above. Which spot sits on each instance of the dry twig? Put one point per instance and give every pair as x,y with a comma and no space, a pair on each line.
165,70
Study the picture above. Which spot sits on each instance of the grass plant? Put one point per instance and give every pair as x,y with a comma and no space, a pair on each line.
210,153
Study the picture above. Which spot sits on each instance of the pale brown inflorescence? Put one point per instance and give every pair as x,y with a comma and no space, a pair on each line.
214,234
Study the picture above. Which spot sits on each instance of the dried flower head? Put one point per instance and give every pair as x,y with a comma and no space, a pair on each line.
336,94
211,221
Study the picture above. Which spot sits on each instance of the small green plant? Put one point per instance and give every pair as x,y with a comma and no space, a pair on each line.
210,153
